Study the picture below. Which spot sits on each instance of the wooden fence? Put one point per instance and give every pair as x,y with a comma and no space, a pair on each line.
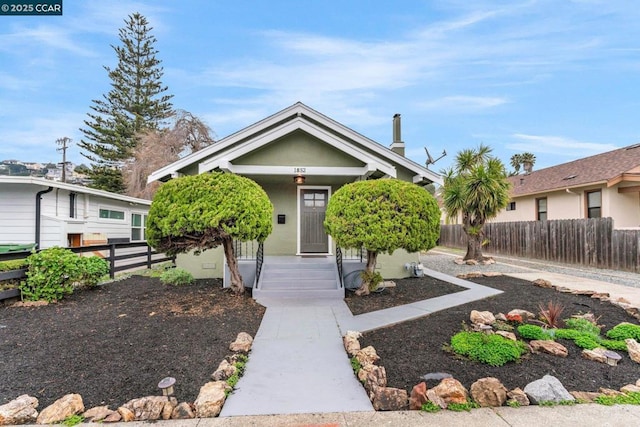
119,256
589,242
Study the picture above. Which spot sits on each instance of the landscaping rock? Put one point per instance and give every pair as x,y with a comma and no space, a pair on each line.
471,262
435,399
610,392
488,261
451,390
489,392
147,408
437,376
224,371
126,414
630,388
351,342
472,275
183,412
210,399
548,346
524,314
115,417
376,376
492,274
66,406
597,354
21,410
168,408
458,261
501,317
585,396
482,317
97,413
508,335
242,344
367,356
519,396
547,389
633,348
543,283
418,396
389,399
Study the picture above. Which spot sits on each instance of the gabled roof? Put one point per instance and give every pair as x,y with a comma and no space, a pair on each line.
296,117
608,168
4,180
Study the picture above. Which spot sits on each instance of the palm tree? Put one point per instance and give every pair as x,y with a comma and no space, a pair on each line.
528,160
476,188
516,161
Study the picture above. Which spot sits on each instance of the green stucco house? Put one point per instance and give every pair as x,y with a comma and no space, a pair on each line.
300,157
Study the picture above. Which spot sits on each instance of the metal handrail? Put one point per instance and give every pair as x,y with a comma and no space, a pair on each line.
259,262
339,265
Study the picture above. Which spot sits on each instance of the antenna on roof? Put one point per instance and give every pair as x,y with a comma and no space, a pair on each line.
430,159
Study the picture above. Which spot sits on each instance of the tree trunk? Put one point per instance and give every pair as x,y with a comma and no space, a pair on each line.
370,269
474,247
236,279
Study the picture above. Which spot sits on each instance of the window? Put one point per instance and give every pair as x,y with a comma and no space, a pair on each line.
138,227
73,205
109,214
511,206
594,204
541,209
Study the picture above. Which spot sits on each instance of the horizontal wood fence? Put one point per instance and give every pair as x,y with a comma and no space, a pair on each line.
120,256
588,242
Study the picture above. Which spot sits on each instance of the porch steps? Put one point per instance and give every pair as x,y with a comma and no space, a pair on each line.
311,278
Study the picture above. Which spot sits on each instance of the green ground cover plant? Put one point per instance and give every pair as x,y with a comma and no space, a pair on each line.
494,350
177,277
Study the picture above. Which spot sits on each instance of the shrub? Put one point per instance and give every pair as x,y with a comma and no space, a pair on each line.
176,277
624,331
15,264
614,345
493,350
372,278
50,275
533,332
587,341
92,269
583,325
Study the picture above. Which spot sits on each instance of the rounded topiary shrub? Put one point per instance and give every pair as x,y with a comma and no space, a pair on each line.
51,274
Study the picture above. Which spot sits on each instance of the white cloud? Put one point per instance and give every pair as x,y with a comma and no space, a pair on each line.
558,145
463,103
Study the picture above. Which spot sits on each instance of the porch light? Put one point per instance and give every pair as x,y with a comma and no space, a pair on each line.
166,385
299,179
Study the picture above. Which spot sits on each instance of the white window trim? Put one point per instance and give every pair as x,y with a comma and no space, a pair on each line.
142,228
298,233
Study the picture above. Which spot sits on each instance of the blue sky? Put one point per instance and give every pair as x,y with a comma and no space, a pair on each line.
558,78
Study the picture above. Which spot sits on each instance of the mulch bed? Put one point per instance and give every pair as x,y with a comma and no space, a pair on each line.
412,349
115,343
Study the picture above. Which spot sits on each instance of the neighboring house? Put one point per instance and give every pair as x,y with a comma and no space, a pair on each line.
300,157
50,213
604,185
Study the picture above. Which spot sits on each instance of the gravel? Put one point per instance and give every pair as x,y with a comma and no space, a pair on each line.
441,259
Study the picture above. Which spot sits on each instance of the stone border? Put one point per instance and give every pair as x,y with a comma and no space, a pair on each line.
212,396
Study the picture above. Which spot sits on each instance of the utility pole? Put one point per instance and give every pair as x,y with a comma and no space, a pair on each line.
63,143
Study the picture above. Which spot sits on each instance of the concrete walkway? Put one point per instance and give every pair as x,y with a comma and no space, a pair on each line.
298,363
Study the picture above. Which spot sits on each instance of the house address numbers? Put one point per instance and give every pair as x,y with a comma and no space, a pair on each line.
299,170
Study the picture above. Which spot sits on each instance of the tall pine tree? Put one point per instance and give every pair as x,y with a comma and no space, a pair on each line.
136,103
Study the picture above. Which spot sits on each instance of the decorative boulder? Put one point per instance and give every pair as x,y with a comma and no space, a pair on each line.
418,396
634,349
597,354
211,398
242,344
182,412
97,413
19,411
451,390
585,396
147,408
488,392
550,347
61,409
367,356
351,342
482,317
224,371
543,283
389,399
518,396
376,376
547,389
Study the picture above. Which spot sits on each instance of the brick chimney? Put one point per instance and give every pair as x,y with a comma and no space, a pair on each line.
397,146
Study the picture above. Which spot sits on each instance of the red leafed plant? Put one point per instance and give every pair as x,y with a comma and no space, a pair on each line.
550,314
514,319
